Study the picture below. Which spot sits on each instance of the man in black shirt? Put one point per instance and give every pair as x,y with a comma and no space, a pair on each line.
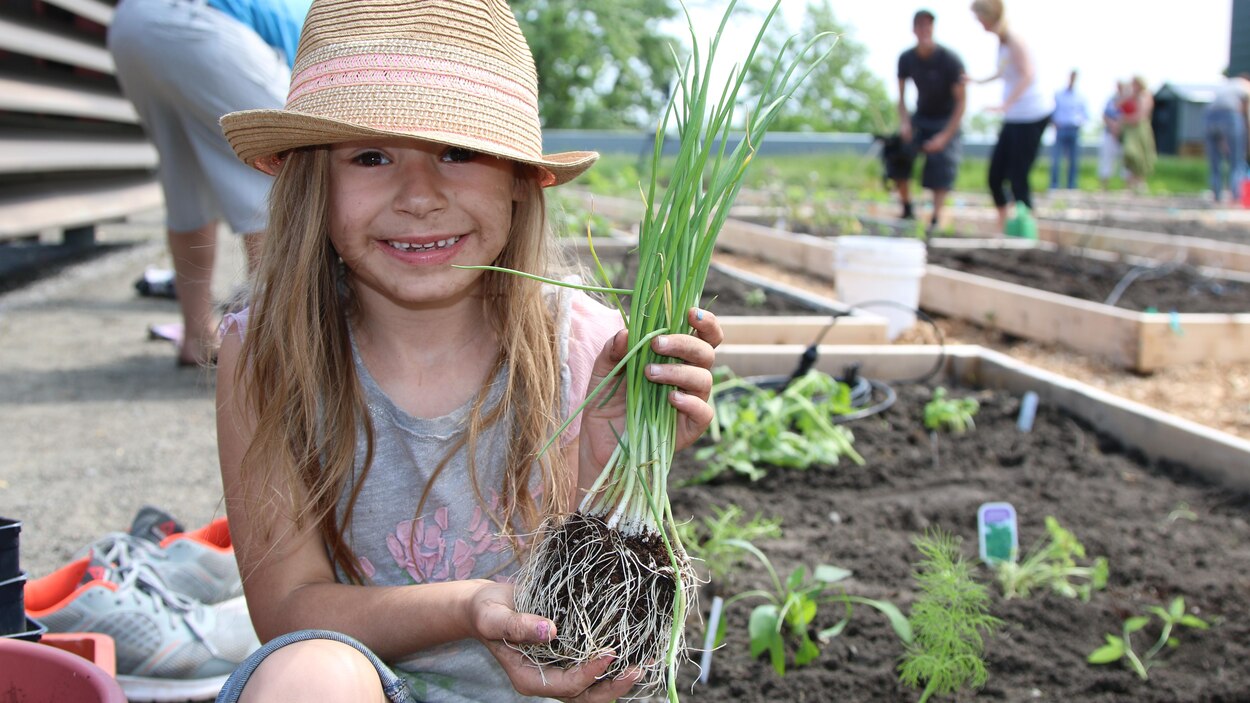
933,129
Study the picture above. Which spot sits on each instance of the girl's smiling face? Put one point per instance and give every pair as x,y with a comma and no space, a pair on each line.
402,211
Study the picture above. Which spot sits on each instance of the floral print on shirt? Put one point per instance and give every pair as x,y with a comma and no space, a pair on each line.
421,546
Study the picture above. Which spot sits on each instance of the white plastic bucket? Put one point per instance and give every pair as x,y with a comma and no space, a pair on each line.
872,269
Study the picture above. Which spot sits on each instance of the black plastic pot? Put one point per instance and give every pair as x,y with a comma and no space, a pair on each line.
32,631
10,566
13,605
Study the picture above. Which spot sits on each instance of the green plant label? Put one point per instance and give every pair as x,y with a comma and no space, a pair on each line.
996,532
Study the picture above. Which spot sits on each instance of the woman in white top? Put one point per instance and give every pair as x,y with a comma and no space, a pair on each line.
1026,110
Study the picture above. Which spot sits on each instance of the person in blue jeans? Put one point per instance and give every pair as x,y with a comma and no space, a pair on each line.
1070,114
1225,119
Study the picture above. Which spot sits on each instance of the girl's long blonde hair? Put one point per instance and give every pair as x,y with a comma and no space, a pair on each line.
299,378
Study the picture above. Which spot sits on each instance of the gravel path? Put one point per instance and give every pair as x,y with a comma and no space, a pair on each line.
97,418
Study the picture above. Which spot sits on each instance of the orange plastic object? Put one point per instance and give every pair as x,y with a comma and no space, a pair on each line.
95,647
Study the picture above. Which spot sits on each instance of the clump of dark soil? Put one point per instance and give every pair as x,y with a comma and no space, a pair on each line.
1164,288
1164,533
723,293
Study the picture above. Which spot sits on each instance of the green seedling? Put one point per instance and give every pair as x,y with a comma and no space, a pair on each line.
710,541
950,620
1053,565
755,427
1121,648
1182,512
790,609
950,414
755,298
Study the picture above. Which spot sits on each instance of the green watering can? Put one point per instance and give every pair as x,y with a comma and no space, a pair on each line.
1021,224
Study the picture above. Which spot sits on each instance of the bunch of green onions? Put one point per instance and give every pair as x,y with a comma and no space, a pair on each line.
613,576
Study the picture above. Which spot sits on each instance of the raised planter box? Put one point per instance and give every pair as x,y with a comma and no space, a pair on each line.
850,327
1211,254
1153,494
1216,456
1140,341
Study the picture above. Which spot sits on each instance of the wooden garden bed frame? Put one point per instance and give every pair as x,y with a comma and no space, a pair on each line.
1197,251
850,327
1214,455
1142,342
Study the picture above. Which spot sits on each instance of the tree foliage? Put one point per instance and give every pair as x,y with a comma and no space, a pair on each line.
602,64
841,95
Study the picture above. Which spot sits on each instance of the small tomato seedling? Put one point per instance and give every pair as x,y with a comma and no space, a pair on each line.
1121,648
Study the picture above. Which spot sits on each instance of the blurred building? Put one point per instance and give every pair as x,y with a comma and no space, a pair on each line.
72,153
1178,118
1239,41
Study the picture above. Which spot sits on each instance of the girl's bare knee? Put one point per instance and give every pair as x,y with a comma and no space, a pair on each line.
314,670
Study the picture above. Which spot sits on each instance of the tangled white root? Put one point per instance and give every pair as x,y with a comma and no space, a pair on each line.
606,592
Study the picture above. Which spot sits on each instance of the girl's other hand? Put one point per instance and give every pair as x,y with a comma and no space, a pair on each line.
498,625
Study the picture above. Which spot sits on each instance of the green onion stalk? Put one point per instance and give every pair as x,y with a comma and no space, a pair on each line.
613,576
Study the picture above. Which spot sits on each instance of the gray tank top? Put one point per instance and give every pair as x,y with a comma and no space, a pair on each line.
454,537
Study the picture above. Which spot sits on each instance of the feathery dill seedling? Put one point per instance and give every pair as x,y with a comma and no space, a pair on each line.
949,620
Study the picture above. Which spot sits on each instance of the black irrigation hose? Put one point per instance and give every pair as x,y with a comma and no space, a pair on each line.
863,390
888,398
926,376
1142,273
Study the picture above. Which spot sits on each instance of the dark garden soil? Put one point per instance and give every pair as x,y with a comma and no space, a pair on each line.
1164,533
726,295
1239,234
1166,289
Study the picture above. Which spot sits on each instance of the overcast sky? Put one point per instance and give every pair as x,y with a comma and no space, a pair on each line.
1179,41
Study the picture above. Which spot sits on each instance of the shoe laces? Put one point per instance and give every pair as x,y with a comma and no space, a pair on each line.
125,559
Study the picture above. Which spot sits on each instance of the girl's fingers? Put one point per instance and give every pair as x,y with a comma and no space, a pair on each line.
607,690
577,684
687,348
695,412
706,326
694,380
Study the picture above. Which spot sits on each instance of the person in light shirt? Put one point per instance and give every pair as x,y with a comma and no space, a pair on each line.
1225,119
1026,110
1070,115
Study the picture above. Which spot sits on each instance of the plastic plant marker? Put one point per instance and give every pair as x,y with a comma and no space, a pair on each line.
997,534
709,642
1028,412
1174,322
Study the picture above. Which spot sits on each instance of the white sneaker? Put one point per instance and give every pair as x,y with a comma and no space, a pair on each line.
169,647
199,564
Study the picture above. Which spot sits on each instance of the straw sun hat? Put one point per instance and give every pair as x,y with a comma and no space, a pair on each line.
455,72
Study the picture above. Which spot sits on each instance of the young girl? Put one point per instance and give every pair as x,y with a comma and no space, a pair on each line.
381,412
